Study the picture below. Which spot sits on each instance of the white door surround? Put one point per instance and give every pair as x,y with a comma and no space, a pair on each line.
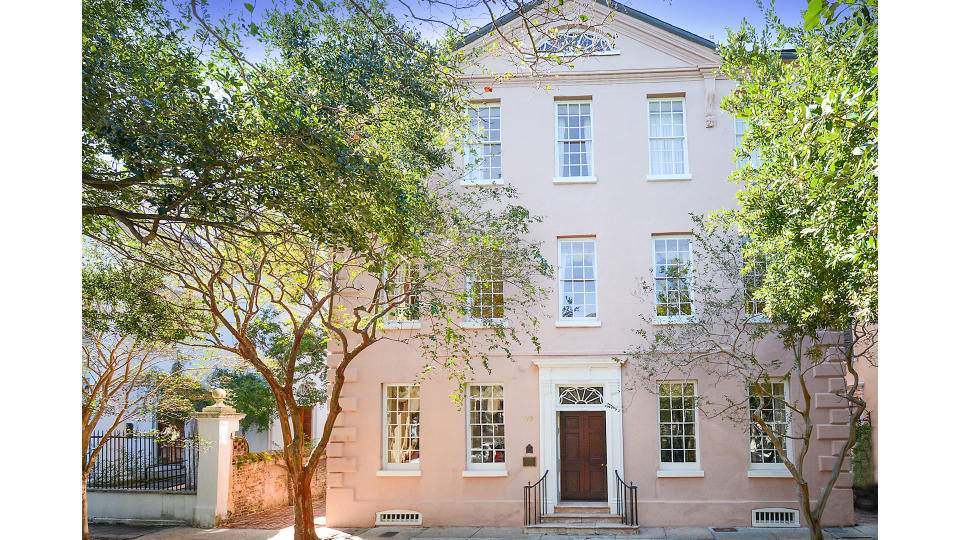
579,371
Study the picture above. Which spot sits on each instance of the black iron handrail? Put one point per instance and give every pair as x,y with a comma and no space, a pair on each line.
626,501
534,503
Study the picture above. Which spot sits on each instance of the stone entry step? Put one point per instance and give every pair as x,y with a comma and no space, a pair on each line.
579,529
581,517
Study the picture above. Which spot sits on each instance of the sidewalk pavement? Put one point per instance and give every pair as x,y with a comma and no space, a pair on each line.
475,533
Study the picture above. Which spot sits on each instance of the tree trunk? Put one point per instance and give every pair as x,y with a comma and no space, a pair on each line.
86,528
303,528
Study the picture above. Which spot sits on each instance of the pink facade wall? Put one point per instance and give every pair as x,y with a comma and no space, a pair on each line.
622,210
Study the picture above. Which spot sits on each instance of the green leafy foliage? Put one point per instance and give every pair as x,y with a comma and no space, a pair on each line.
333,130
862,459
813,199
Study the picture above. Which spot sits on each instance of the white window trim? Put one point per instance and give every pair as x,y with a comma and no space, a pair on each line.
672,319
465,181
578,322
557,179
686,175
771,470
397,469
473,323
478,470
401,325
680,470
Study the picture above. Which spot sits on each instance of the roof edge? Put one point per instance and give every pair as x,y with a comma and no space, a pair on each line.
612,4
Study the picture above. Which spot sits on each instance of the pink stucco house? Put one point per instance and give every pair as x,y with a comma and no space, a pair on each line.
615,154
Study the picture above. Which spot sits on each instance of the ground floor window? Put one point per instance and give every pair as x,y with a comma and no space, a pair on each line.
401,426
486,439
769,401
678,425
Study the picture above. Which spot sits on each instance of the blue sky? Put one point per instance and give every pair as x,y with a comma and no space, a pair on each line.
707,18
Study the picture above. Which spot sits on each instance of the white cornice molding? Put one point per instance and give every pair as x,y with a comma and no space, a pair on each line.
576,362
680,73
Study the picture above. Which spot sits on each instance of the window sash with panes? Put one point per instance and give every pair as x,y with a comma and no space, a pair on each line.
401,427
486,292
678,425
740,129
773,410
404,285
667,137
672,277
574,140
482,159
486,445
752,281
578,279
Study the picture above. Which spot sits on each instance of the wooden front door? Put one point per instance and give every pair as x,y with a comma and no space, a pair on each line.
583,456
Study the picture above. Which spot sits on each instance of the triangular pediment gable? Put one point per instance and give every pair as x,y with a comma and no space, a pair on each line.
643,41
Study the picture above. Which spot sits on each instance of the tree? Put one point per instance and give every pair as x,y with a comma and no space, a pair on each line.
179,126
129,325
239,280
728,339
814,121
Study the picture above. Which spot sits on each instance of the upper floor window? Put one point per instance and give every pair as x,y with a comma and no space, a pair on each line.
575,43
485,290
574,140
401,427
678,425
667,137
481,159
578,278
672,264
402,290
740,129
770,403
755,268
485,424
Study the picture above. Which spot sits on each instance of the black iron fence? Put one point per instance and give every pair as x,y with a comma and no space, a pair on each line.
534,503
144,462
626,501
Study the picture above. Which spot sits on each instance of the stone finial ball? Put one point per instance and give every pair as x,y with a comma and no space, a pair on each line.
219,394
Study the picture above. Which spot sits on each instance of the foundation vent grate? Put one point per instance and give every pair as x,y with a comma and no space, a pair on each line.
776,517
399,517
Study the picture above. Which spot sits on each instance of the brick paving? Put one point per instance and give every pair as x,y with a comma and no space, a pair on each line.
277,518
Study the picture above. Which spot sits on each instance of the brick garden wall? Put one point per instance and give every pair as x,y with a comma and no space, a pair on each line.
262,485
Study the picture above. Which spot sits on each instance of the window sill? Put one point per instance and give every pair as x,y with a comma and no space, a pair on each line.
484,474
574,323
575,180
408,472
481,183
680,473
769,473
481,324
674,319
756,319
668,177
402,325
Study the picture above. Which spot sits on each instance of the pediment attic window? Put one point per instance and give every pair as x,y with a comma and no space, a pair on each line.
577,43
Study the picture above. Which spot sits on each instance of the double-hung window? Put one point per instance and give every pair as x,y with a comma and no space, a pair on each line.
486,442
769,402
754,270
402,290
482,165
679,446
574,142
578,280
667,133
740,129
401,427
485,289
672,277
